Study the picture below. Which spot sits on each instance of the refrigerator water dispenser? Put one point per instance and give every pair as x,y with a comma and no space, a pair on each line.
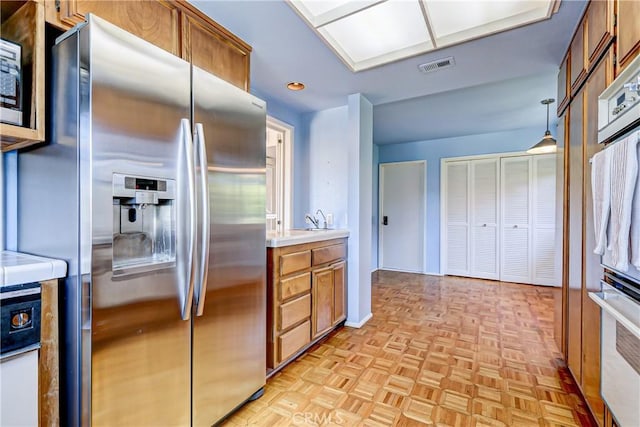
144,224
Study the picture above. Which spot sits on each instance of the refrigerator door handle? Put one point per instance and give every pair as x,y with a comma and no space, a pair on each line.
190,161
204,212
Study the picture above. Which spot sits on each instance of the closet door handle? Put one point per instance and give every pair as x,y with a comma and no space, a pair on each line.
515,226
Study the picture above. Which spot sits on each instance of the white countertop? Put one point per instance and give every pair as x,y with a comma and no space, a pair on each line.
296,237
17,268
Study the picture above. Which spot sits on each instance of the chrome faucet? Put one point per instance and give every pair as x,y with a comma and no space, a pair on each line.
313,220
324,218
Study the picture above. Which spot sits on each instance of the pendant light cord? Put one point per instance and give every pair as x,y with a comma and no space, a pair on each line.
548,117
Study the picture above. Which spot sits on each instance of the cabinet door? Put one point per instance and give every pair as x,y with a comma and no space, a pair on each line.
457,217
599,28
339,292
562,176
628,32
574,232
563,84
212,48
593,272
543,233
322,301
484,214
154,21
577,58
515,259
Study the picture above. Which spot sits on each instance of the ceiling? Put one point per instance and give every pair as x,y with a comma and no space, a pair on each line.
496,84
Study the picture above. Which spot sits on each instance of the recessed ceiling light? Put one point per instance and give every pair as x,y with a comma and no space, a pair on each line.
295,85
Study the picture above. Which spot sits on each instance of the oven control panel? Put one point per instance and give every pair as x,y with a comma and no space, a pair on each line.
619,104
626,98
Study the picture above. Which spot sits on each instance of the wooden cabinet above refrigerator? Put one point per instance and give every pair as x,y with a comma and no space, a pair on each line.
175,26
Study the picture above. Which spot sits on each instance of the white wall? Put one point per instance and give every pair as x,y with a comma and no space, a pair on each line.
360,140
328,163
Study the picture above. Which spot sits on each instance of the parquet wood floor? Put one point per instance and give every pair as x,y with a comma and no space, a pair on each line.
441,351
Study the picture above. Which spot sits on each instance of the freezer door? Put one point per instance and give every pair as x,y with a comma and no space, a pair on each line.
229,342
134,122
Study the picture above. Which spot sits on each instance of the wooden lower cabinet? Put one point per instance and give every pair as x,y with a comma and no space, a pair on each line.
322,301
306,297
339,292
582,271
575,209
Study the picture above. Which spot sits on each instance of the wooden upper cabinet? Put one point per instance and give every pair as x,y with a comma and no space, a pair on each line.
577,58
563,85
175,26
599,29
156,21
214,49
628,32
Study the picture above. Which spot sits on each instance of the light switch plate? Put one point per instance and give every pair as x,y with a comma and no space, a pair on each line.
329,219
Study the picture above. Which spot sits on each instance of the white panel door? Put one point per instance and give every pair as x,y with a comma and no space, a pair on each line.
484,218
544,220
457,218
515,247
403,216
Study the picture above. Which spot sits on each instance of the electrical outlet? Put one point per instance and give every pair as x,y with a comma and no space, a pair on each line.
329,219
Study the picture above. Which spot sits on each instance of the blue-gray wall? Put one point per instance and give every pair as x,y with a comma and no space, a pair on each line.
433,151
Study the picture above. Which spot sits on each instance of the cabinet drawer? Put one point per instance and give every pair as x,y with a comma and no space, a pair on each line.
328,254
293,340
294,286
296,261
294,311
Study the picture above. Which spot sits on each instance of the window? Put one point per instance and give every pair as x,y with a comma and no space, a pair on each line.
278,175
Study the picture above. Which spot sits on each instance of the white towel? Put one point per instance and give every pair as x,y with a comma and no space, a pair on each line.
624,174
601,190
635,212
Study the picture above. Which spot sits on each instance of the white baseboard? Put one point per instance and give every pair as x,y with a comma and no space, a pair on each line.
359,324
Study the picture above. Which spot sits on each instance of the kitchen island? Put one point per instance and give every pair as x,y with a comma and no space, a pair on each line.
306,290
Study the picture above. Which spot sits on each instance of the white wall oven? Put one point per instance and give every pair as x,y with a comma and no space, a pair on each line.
615,181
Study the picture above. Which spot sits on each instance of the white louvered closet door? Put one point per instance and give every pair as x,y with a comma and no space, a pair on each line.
484,218
515,247
457,217
544,220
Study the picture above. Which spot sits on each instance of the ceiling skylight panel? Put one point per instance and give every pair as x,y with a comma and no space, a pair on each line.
321,12
368,33
379,34
456,21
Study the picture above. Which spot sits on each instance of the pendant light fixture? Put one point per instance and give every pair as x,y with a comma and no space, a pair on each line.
547,144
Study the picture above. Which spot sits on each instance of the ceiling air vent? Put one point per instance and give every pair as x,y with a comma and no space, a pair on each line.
439,64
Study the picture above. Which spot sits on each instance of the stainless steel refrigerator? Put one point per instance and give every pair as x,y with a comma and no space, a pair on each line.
152,188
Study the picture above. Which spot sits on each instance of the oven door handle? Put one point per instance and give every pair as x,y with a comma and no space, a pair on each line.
621,301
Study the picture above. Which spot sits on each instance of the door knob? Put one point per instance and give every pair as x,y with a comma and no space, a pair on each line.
515,226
